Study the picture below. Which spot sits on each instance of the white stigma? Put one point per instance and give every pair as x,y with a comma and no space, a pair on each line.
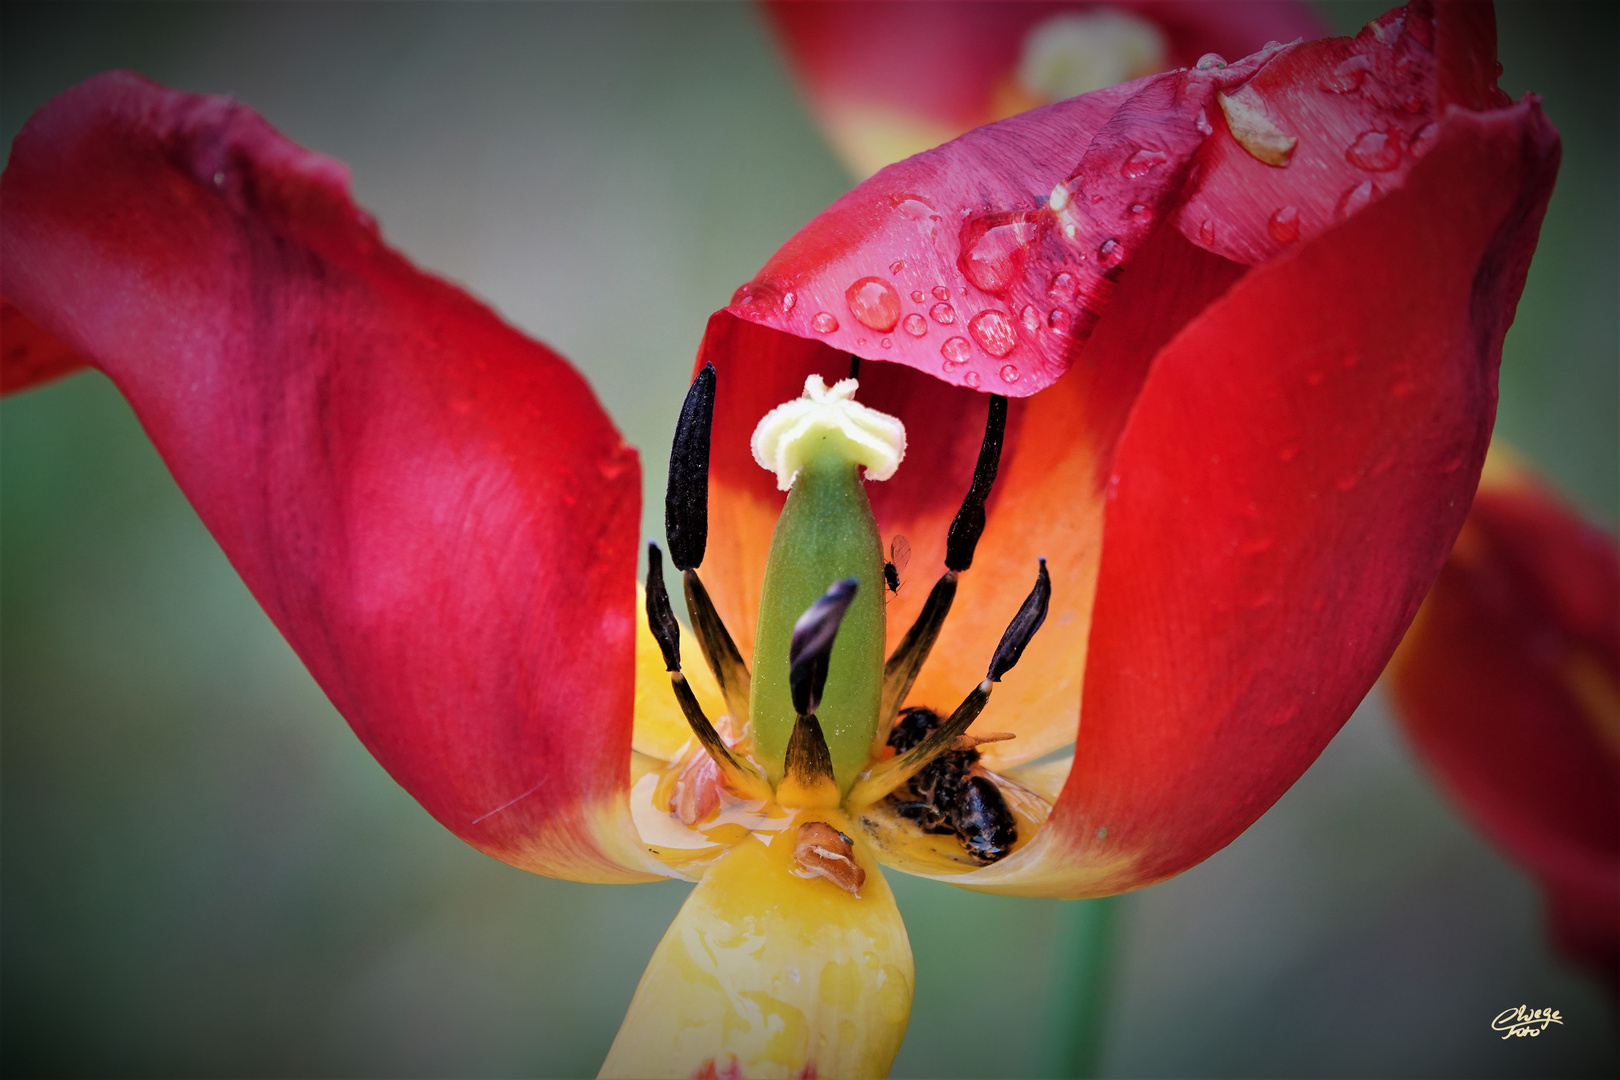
789,434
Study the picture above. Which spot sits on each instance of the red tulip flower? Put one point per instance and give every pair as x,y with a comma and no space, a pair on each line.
1248,319
889,78
1509,685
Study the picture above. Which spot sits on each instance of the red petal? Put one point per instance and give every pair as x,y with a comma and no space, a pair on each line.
1509,684
1292,474
952,67
433,509
28,355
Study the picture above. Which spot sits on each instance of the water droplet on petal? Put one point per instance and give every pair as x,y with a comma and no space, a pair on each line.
916,296
897,266
1143,162
994,332
1140,210
941,293
1347,77
1206,232
972,379
1032,318
1058,320
1110,252
1203,124
887,343
1423,138
1355,199
1376,151
913,208
993,249
943,314
1284,225
1009,373
874,302
956,352
824,323
915,325
1064,286
788,300
1210,62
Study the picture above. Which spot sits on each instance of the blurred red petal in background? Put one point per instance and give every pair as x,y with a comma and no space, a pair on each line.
1509,686
890,79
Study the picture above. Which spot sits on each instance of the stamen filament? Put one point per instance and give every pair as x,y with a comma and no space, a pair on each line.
719,650
968,524
741,776
880,779
903,665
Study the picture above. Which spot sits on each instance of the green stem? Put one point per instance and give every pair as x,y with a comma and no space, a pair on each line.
1089,933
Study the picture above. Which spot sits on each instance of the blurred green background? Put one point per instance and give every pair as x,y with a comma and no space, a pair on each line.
205,874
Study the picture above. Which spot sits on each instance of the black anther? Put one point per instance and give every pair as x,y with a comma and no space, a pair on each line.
686,499
1023,626
811,647
660,616
968,524
854,366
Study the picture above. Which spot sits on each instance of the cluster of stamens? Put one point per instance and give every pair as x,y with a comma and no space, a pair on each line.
925,764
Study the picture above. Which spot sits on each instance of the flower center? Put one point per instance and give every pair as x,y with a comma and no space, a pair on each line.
812,726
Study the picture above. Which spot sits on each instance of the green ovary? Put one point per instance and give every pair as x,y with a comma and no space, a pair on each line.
826,533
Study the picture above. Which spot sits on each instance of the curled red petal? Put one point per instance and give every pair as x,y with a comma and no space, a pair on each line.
433,509
28,355
1295,469
1509,685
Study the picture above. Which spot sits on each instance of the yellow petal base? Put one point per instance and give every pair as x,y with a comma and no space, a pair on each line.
772,975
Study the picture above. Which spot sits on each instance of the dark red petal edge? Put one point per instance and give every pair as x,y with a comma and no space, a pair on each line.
28,355
1507,685
433,509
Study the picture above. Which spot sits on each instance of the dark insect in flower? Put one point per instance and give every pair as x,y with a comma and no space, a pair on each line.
951,796
899,556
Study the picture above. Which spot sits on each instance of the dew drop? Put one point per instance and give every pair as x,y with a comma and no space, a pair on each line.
1064,286
1355,199
1412,104
1143,162
1058,320
1203,124
913,208
1140,210
897,266
941,293
887,343
219,178
943,314
1110,252
824,323
1032,318
1284,225
972,379
1347,77
1210,62
956,352
916,296
860,341
993,250
1423,138
1009,373
874,302
1376,151
915,324
1206,232
994,332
